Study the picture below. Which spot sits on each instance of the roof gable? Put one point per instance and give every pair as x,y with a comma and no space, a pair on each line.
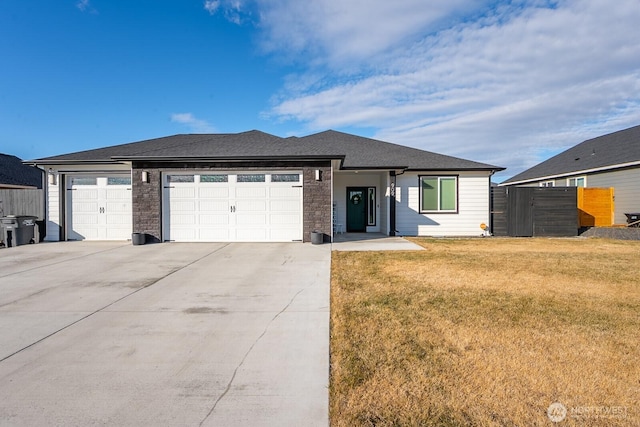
604,152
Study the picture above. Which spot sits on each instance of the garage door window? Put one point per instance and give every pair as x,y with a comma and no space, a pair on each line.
285,177
180,178
115,180
214,178
84,181
251,178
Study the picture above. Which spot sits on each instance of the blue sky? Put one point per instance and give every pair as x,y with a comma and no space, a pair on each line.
504,82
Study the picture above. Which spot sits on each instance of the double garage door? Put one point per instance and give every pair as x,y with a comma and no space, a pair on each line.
232,207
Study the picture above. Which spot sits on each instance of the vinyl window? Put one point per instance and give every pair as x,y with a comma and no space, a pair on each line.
580,181
439,194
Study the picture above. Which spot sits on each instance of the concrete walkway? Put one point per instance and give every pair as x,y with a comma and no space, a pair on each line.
164,335
372,242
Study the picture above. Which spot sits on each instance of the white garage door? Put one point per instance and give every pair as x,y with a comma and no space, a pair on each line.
99,207
233,207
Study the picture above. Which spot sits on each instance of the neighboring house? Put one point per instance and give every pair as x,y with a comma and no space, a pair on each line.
608,161
254,186
15,175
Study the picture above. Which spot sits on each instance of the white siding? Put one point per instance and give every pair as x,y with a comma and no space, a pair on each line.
473,207
626,184
53,209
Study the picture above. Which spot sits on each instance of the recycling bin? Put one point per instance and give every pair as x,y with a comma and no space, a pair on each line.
18,229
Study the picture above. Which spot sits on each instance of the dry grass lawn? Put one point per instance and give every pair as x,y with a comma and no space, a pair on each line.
487,332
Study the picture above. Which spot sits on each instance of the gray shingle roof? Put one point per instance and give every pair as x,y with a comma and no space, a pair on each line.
355,151
13,172
365,153
607,151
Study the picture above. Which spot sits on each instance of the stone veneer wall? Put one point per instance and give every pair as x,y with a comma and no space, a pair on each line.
317,210
147,197
147,203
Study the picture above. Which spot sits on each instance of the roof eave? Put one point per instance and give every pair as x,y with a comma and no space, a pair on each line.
572,173
409,169
172,159
360,168
69,162
474,169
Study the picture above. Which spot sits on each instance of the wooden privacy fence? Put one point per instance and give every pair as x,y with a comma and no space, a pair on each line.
22,202
595,207
533,211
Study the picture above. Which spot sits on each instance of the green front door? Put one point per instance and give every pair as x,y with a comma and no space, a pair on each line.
356,209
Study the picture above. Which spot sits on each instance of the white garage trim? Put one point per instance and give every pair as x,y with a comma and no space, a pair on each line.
242,206
98,207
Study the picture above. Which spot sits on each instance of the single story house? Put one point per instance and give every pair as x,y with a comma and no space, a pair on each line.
608,161
253,186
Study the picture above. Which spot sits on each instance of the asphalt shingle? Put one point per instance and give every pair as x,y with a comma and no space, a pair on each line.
13,172
356,152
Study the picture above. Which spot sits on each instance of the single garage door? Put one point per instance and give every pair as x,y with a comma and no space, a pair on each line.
233,207
99,207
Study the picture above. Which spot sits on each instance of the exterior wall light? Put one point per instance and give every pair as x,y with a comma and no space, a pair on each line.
52,177
145,176
318,175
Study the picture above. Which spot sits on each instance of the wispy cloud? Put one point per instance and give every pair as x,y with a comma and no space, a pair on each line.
85,6
233,10
504,85
506,82
344,32
212,6
194,124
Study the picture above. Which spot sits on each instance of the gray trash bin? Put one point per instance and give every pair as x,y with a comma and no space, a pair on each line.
317,237
18,229
138,238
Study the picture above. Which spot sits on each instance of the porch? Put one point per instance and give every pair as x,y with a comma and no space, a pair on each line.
371,242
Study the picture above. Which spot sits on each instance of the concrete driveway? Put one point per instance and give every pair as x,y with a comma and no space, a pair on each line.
166,334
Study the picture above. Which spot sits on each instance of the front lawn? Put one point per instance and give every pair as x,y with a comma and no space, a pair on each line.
487,332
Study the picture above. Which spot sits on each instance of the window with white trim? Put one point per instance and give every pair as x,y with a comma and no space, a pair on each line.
548,184
439,194
580,181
